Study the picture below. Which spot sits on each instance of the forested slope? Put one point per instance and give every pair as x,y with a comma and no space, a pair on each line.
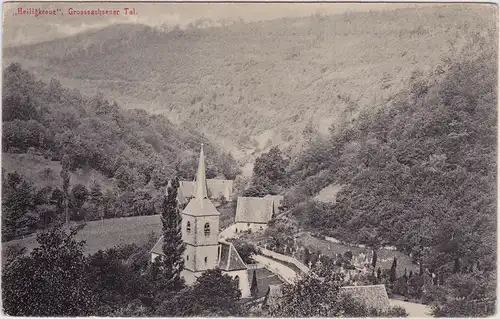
419,174
130,153
265,80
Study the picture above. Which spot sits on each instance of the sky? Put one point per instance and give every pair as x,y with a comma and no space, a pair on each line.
22,29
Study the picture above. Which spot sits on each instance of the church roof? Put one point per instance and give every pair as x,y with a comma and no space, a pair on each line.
215,187
254,210
374,296
200,207
229,258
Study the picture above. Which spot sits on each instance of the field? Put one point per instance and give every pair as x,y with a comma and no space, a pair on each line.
108,233
43,172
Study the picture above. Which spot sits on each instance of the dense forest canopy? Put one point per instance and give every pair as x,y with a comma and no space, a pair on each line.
419,174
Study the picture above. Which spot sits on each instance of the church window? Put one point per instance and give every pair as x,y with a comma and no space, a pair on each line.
206,260
237,278
207,229
248,224
188,227
187,257
218,252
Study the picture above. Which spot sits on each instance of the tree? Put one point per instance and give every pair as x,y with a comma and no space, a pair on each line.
66,163
173,246
271,166
18,210
254,289
307,256
51,281
311,296
374,259
245,250
96,200
392,272
216,294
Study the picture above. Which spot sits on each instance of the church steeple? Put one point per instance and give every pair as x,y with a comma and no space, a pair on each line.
201,180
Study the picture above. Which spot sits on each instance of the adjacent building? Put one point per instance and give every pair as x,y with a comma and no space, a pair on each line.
254,213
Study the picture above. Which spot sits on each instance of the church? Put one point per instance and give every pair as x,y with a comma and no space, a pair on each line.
200,234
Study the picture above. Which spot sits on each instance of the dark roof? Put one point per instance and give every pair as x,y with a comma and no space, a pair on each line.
229,258
374,296
254,210
200,207
216,188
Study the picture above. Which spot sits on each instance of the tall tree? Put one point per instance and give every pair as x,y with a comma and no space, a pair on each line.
51,281
66,163
96,200
392,272
173,246
254,289
374,259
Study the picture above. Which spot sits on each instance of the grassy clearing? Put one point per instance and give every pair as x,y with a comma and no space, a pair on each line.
108,233
43,172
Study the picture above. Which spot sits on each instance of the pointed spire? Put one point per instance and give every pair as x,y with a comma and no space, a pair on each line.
201,180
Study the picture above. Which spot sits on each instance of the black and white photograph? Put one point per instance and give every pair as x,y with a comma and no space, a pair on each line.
249,159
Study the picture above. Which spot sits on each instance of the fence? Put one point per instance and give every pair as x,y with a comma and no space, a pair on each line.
298,264
254,266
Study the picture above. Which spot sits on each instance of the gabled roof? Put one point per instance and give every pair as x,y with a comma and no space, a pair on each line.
200,207
374,296
254,210
216,188
158,247
229,258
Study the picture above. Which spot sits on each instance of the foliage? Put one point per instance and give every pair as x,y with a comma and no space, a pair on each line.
218,82
213,294
172,263
115,280
311,296
245,250
18,206
51,281
419,175
216,294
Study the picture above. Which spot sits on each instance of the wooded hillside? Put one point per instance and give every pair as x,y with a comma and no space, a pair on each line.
264,80
419,174
126,154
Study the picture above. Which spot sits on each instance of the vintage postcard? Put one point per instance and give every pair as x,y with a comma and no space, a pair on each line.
249,159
